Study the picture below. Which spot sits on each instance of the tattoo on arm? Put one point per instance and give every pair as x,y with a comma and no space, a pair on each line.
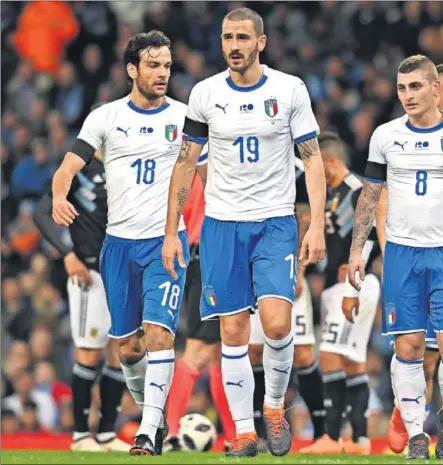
184,151
182,195
308,148
365,214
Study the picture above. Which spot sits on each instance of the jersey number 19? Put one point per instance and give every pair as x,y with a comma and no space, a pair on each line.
250,145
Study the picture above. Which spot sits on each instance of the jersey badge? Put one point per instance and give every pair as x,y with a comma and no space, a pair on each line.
171,132
209,295
271,107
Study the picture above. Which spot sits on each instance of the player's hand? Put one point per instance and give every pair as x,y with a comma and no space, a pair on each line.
77,270
172,249
313,246
63,212
350,306
356,265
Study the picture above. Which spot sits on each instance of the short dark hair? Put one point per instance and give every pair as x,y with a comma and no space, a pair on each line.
243,14
439,68
144,41
415,62
329,139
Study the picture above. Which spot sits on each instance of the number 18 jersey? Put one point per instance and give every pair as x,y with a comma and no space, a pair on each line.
251,132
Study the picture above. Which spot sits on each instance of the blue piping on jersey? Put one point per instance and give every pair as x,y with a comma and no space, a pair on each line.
310,135
154,111
424,130
197,140
203,158
378,181
233,86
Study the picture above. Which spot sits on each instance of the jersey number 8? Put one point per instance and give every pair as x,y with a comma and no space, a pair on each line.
148,173
421,185
251,144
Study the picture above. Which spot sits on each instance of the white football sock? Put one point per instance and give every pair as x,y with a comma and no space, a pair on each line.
410,388
277,362
135,375
157,384
238,380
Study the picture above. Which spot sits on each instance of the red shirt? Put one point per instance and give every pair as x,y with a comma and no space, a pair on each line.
194,210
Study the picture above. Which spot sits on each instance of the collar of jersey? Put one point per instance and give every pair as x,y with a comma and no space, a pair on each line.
424,130
233,86
154,111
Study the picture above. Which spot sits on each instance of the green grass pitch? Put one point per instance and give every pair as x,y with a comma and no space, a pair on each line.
46,457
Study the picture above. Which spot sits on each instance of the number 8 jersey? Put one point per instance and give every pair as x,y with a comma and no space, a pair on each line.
139,148
251,132
410,159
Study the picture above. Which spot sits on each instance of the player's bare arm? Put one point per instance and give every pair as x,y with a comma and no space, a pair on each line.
380,218
313,244
63,212
303,215
363,223
203,173
179,188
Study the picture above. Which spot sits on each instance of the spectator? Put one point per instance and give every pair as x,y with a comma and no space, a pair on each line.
46,381
32,176
10,422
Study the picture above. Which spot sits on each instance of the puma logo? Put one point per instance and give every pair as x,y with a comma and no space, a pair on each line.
123,131
161,386
400,145
222,108
285,371
139,391
409,399
239,384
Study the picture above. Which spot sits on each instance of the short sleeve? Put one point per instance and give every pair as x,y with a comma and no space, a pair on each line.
376,167
302,122
196,127
203,159
92,131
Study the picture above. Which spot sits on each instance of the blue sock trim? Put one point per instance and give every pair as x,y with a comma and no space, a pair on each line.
280,348
409,362
234,357
165,360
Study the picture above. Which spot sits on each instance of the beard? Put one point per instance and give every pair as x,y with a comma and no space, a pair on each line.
149,94
248,61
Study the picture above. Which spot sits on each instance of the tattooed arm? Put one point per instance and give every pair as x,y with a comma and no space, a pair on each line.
363,223
179,187
314,240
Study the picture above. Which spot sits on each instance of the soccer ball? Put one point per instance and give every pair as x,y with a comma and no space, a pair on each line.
197,433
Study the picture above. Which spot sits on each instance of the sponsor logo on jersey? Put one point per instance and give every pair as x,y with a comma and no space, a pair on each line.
171,132
271,107
210,296
124,131
422,145
391,318
246,108
145,130
221,107
400,144
93,332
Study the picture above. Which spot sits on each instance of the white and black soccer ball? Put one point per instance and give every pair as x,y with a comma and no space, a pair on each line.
197,433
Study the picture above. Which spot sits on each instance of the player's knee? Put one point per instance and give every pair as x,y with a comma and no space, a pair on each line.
304,356
410,346
256,354
235,330
330,362
199,354
277,329
158,338
131,349
89,357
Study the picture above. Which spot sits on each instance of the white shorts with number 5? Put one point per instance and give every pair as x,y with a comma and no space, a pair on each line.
302,323
340,336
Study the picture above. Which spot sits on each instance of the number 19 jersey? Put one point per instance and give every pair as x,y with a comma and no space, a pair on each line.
251,132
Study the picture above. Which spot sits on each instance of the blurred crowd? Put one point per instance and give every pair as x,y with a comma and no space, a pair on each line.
59,59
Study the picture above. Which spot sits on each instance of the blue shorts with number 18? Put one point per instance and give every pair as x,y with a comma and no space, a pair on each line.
242,262
138,288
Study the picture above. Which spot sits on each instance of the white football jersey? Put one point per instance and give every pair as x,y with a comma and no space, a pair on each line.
252,130
140,148
414,159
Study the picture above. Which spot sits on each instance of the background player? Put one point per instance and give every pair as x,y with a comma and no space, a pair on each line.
140,138
344,343
203,337
407,152
252,115
89,314
306,376
397,433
